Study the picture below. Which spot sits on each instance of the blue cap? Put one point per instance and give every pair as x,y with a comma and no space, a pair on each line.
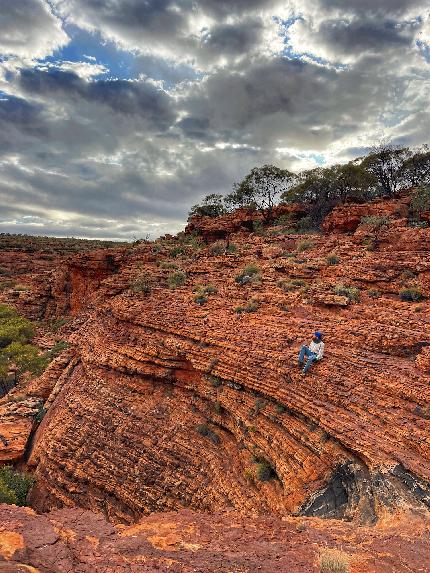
318,334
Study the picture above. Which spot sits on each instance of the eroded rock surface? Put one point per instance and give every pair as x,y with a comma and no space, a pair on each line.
185,542
165,403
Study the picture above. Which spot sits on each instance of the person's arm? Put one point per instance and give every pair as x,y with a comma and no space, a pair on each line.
320,351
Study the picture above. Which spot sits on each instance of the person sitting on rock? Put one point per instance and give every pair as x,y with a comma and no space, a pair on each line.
315,351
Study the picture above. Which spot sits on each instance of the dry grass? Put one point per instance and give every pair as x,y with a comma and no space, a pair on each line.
334,561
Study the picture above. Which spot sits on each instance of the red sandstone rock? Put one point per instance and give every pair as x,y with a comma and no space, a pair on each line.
213,229
185,542
121,434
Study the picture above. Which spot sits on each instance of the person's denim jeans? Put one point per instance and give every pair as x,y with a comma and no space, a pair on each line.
311,357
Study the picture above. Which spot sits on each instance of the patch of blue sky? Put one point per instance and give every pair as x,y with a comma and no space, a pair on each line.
120,64
424,48
304,56
90,47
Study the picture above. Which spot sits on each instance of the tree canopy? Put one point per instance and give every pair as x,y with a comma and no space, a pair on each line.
383,172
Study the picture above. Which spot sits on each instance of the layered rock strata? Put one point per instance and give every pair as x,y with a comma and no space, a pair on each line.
172,399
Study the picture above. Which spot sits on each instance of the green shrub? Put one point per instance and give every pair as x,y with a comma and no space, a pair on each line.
304,245
264,471
292,284
259,404
215,382
232,248
218,248
280,408
57,324
177,279
375,221
204,430
142,284
250,274
7,495
167,265
15,484
217,407
202,293
420,200
304,225
332,259
352,293
58,348
40,414
176,252
26,357
334,561
374,293
411,294
250,306
14,328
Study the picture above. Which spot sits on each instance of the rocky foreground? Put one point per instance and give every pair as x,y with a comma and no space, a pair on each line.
79,541
184,392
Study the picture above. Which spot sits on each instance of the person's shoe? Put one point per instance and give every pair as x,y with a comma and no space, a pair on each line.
303,373
300,364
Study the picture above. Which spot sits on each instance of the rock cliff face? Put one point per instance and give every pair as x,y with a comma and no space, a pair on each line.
173,399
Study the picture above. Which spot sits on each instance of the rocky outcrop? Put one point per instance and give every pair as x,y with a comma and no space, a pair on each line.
219,228
168,403
172,399
76,540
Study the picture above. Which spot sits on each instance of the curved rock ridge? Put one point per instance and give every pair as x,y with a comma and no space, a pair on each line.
185,542
172,399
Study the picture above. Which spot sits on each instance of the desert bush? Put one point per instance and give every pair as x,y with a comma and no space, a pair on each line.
304,245
232,248
263,470
217,407
250,306
218,248
142,284
259,404
250,274
14,485
202,292
56,324
352,293
215,381
177,279
14,328
420,200
292,284
332,259
411,294
280,408
204,430
167,265
374,293
176,252
374,221
334,561
305,224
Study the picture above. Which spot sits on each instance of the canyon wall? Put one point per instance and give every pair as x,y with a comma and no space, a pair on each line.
169,399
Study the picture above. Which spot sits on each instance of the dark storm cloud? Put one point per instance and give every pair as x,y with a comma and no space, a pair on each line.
231,39
131,98
384,7
364,35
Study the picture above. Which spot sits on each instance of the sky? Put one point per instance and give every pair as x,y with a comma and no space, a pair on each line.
116,116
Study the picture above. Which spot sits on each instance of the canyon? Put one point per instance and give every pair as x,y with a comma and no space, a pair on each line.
179,412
